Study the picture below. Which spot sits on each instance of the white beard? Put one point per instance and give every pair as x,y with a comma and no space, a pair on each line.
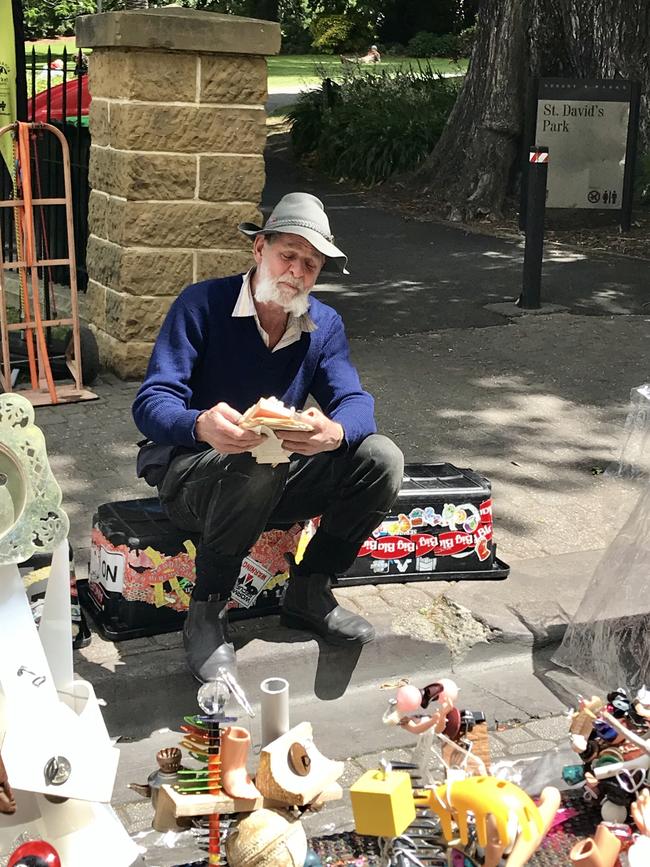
268,290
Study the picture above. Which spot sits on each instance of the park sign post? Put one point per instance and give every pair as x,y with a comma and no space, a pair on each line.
590,129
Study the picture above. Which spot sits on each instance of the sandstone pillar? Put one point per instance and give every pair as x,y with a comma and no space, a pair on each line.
178,128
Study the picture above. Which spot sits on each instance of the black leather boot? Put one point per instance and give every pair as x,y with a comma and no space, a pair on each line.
205,638
310,604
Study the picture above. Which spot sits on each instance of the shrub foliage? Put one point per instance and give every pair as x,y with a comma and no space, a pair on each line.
453,45
373,124
56,18
334,33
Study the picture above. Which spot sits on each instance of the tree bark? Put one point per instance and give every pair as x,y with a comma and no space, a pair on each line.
471,170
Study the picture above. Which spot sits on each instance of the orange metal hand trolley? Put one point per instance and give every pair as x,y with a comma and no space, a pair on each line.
43,389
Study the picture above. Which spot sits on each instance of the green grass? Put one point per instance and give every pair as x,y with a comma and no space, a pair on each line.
290,70
55,46
286,70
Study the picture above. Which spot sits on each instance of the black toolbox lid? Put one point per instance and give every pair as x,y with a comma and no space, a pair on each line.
444,480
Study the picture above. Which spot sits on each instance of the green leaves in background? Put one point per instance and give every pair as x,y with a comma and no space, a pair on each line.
373,125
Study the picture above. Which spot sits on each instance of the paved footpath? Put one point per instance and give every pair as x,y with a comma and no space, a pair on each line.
536,403
531,754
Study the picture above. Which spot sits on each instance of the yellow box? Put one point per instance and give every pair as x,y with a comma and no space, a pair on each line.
382,803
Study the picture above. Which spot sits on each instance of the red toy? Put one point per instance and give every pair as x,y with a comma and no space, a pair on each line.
36,853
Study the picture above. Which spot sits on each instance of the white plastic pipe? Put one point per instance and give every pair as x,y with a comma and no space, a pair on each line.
275,708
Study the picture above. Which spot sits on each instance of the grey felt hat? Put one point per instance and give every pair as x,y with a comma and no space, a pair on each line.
302,214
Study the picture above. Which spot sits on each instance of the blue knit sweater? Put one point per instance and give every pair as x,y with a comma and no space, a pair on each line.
203,356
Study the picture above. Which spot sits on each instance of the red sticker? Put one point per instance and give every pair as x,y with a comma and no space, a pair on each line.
485,510
387,547
482,550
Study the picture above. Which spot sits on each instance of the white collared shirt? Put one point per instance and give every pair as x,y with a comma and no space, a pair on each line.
245,306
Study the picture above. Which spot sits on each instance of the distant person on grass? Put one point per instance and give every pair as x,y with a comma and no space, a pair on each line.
225,344
372,56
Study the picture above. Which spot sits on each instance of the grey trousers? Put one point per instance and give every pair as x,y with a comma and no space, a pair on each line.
230,499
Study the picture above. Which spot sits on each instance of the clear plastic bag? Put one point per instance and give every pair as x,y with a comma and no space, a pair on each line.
634,460
608,641
534,773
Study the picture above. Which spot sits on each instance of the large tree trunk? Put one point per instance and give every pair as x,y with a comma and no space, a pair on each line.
472,168
607,39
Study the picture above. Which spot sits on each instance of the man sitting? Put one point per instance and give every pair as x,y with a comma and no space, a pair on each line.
225,344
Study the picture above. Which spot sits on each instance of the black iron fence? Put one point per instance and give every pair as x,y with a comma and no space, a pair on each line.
57,93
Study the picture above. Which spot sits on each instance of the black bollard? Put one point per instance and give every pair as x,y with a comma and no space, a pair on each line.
535,210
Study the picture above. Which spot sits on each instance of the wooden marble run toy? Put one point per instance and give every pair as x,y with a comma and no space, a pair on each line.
292,776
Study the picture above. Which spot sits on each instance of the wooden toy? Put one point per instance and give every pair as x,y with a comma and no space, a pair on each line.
278,779
382,802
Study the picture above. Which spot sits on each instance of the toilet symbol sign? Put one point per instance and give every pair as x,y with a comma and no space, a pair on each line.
607,197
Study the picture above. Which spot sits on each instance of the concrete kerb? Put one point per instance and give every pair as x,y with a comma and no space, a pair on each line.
145,683
449,628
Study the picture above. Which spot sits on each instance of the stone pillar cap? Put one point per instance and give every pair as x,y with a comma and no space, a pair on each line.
177,29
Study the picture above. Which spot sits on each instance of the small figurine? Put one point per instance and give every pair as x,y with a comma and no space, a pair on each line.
443,718
582,722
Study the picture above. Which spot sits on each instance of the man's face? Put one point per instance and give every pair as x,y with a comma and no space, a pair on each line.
287,269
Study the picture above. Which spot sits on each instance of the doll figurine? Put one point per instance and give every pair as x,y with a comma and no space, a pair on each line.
443,717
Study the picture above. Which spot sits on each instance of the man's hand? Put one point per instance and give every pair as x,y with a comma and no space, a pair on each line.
326,436
218,427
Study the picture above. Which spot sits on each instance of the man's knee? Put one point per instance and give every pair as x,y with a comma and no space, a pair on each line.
253,482
383,461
